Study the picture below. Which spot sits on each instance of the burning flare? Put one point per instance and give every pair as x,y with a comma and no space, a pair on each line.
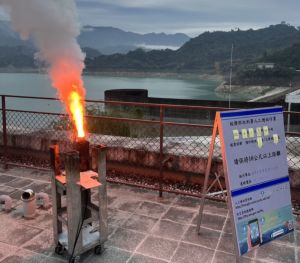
53,26
77,109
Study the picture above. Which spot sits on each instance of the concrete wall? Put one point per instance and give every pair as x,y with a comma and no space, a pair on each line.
188,168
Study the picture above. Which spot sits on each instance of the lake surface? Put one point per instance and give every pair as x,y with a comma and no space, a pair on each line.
34,84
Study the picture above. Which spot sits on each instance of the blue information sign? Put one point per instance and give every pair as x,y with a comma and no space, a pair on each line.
254,150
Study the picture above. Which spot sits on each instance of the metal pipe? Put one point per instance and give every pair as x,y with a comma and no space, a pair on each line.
161,149
103,224
230,76
29,204
82,146
45,198
289,117
7,202
4,132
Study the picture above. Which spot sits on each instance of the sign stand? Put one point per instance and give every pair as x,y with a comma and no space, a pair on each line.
254,157
217,129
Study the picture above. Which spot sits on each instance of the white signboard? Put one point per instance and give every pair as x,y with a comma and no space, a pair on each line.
253,143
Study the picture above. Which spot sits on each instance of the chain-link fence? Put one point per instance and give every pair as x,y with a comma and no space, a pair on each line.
162,146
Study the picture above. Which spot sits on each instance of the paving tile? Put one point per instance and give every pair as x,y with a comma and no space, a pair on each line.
110,200
29,173
140,223
111,229
151,209
187,253
211,221
117,217
125,204
159,247
222,257
228,227
6,178
42,244
179,215
24,256
273,252
297,222
95,198
109,255
16,195
138,258
15,233
149,195
125,239
42,219
292,239
169,229
6,190
226,243
207,238
188,202
6,250
20,183
214,207
166,199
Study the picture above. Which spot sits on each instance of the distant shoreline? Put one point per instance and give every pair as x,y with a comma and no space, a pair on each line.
259,92
133,74
136,74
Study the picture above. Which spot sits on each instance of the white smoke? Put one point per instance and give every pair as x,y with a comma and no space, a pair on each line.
53,26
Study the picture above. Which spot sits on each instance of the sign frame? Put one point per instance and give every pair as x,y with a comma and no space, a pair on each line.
218,129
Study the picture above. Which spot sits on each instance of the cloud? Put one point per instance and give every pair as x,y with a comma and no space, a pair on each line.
189,16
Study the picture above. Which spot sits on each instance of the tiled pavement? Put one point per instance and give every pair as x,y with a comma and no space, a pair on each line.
143,229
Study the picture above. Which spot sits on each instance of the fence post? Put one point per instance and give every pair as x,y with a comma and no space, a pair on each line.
161,148
4,131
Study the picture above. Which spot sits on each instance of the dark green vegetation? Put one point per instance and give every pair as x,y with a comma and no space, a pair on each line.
19,57
288,57
209,51
285,72
278,76
102,120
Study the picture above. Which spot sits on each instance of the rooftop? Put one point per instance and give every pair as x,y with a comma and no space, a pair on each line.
143,228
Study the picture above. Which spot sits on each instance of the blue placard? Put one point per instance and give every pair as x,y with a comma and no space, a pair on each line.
257,169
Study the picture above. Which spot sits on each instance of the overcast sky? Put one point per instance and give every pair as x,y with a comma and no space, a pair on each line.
187,16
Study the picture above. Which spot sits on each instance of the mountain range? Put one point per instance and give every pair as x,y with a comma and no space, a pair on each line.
105,40
109,40
208,52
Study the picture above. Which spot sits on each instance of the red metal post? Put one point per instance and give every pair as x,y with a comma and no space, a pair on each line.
4,131
161,148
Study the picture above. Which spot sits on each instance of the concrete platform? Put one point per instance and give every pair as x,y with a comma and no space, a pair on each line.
143,229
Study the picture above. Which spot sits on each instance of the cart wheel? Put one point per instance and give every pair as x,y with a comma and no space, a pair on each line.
98,250
59,249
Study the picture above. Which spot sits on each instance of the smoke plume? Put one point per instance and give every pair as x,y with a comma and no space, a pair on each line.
53,26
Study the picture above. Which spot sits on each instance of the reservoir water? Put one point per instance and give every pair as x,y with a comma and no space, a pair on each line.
34,84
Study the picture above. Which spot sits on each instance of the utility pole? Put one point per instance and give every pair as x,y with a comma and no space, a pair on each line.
230,76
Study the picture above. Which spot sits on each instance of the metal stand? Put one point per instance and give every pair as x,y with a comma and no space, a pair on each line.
206,187
78,224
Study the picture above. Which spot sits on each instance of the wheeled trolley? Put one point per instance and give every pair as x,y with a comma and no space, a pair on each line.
79,201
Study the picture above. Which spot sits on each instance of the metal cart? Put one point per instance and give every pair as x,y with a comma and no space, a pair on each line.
79,224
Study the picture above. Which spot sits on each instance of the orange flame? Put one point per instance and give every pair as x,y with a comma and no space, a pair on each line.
77,109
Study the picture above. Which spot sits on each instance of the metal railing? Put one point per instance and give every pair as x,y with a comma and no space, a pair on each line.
157,139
